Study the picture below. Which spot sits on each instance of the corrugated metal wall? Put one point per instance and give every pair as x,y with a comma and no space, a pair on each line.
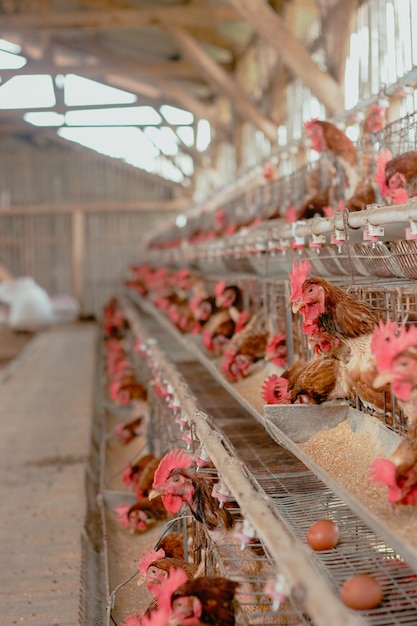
50,228
42,246
112,243
32,175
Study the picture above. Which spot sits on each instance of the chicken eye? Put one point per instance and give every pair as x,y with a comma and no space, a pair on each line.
310,289
152,571
176,479
403,363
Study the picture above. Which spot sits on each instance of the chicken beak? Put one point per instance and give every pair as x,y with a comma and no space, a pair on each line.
296,306
381,380
154,493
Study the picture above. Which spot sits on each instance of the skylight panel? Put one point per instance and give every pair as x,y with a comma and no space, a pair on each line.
203,135
79,91
9,46
185,163
168,170
127,143
186,134
11,61
176,116
44,118
164,138
123,116
27,92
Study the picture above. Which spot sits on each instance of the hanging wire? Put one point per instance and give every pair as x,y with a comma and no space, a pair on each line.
345,215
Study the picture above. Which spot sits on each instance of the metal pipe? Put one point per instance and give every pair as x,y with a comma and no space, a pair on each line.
373,215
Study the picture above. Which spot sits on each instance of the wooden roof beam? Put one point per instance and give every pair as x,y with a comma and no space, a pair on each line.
221,81
166,91
176,205
268,24
199,109
88,47
118,19
337,19
169,69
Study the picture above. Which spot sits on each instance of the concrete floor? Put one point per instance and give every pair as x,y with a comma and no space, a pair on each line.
46,407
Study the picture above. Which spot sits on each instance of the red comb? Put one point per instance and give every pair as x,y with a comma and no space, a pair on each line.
297,278
399,196
220,217
275,390
195,303
241,321
388,342
383,158
207,340
291,215
219,288
274,343
176,578
149,557
315,132
175,459
310,123
384,471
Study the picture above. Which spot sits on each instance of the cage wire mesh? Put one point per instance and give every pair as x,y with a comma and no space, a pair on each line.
359,549
252,568
400,135
163,432
300,499
404,252
396,301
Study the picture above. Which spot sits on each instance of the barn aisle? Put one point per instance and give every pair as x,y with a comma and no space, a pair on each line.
46,408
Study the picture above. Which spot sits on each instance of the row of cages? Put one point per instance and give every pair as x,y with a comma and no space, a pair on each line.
262,199
269,301
299,498
266,258
224,558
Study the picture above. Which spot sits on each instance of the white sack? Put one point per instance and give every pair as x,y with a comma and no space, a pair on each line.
30,307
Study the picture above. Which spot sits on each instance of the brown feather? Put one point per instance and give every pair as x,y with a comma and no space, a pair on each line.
323,378
216,595
338,143
344,317
405,163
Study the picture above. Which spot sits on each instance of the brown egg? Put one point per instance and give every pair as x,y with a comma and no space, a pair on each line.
361,592
323,535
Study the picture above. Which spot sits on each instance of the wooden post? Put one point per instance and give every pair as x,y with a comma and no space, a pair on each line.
223,82
268,24
78,226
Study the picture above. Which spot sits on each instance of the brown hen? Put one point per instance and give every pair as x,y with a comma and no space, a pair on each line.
327,308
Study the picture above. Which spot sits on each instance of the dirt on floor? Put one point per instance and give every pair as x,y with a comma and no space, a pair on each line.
12,343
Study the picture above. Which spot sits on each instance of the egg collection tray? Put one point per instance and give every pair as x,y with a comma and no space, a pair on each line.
338,444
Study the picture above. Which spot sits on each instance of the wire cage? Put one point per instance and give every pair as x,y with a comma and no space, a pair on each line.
398,302
301,498
298,497
404,252
400,135
250,566
395,300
